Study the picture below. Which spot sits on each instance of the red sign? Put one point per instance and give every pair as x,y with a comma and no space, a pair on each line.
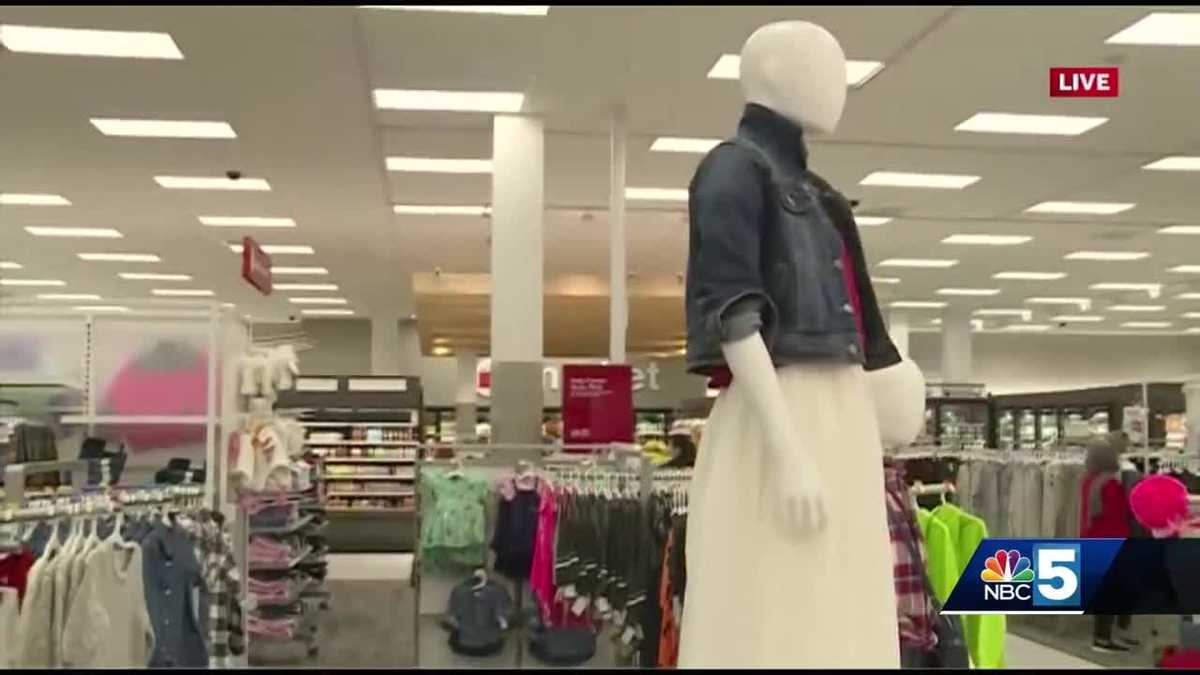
1085,82
256,266
597,404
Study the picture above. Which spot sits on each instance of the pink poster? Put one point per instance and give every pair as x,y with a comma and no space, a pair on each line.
597,404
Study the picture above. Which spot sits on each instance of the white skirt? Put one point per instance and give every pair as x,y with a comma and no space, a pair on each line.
759,598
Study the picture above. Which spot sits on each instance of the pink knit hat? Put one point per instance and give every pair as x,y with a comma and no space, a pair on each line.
1160,504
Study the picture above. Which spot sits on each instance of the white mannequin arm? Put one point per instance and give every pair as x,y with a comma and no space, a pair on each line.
799,499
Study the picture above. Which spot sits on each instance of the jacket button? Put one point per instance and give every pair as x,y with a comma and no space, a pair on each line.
848,308
789,201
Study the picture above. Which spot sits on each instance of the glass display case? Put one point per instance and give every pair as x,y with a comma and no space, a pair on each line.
1048,429
1027,437
1006,430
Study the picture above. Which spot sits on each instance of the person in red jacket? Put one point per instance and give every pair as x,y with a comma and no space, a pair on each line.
1104,512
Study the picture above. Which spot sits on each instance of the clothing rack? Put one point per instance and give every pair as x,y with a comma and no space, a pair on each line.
15,474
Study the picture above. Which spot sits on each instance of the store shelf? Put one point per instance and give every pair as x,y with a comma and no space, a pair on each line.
367,460
279,567
376,478
377,444
372,511
285,529
378,425
367,495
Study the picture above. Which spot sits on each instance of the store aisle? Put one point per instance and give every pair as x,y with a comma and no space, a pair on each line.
1022,653
370,621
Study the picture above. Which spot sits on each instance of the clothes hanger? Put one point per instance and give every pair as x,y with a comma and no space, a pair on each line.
481,579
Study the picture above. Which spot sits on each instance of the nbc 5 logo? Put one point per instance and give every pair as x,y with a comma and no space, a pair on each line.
1050,579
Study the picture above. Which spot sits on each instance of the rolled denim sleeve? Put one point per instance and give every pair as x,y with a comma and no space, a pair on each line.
728,204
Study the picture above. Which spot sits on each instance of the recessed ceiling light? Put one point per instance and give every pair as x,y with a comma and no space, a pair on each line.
1025,314
918,262
300,271
885,280
433,165
151,276
917,304
1180,229
454,101
1019,123
678,144
305,287
1154,290
279,249
317,301
656,194
246,221
1191,315
987,239
506,10
871,221
1077,318
1028,327
969,291
1161,28
101,308
1175,163
212,183
76,232
858,72
9,265
182,292
31,282
1137,308
327,312
433,210
33,200
1146,324
942,181
1083,303
1185,269
68,296
1107,256
84,42
1081,208
162,128
1030,276
120,257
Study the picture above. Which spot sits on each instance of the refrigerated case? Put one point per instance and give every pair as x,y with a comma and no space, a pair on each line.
439,421
1045,418
958,415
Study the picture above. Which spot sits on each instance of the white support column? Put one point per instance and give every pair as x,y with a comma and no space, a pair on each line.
518,209
385,345
898,329
957,366
618,312
465,412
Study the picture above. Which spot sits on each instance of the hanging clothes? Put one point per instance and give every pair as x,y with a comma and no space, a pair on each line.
515,535
112,596
14,570
984,633
453,523
171,574
541,576
915,615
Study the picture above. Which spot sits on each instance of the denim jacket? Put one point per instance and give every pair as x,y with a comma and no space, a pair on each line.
765,254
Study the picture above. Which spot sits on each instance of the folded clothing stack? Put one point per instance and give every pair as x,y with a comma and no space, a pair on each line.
269,552
276,592
279,628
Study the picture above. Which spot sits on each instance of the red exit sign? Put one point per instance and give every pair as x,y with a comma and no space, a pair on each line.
1085,82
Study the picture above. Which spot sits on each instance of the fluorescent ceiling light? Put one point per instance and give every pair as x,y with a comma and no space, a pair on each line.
300,271
943,181
1025,314
457,101
68,296
1185,269
871,221
433,165
162,128
327,312
678,144
917,304
1083,303
76,232
32,282
1191,315
305,287
1193,330
1083,208
987,239
279,249
1154,290
1188,296
969,291
506,10
432,210
1137,308
182,292
885,280
211,183
84,42
120,257
656,194
1030,276
101,308
1161,28
1180,229
918,262
151,276
317,301
1146,324
1019,123
246,221
1107,256
1028,327
9,265
1175,163
858,72
33,200
1077,318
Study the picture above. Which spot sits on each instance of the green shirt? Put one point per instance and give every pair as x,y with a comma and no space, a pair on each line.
984,633
941,561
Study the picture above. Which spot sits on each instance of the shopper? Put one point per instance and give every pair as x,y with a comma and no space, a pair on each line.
1104,512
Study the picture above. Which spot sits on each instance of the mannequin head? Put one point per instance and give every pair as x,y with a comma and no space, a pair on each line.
798,70
898,393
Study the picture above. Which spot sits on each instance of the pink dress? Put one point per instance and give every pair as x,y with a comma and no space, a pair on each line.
541,574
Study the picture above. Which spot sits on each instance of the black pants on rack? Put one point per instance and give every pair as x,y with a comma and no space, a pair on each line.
1104,626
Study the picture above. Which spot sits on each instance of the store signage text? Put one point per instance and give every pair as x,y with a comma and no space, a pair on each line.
643,378
256,266
1085,82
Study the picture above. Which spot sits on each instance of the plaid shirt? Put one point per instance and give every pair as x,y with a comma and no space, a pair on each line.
222,627
913,608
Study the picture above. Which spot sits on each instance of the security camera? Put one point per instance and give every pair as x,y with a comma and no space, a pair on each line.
233,174
1062,324
437,272
292,318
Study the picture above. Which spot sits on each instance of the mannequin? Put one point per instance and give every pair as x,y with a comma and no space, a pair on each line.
790,561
